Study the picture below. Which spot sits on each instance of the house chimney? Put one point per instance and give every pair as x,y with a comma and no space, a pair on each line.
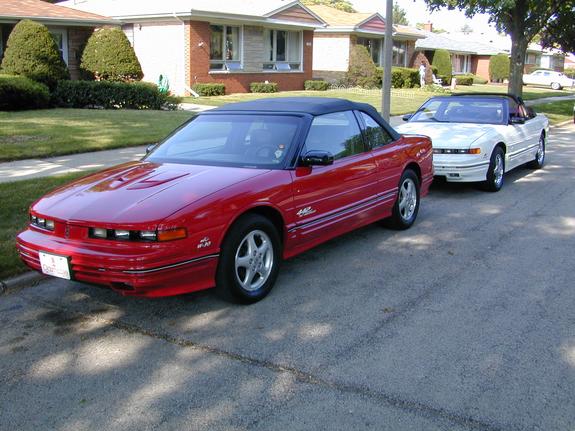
428,27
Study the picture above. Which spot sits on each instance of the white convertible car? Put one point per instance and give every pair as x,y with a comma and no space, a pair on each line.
478,137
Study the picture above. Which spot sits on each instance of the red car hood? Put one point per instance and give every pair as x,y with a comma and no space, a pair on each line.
138,192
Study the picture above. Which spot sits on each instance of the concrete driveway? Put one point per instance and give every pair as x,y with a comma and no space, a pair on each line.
464,322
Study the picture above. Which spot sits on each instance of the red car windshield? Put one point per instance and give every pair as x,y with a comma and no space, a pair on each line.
238,140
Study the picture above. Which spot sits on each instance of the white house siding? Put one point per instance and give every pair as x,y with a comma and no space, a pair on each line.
160,50
330,53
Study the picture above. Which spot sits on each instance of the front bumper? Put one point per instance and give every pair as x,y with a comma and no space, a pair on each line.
460,167
131,269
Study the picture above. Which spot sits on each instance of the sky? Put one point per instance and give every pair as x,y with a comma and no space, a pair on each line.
417,11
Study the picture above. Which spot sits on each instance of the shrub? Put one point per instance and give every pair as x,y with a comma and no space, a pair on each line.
401,77
211,89
464,79
111,95
264,87
316,85
18,93
108,56
442,61
32,52
499,67
362,71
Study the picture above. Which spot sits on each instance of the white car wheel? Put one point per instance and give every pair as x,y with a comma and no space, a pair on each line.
555,86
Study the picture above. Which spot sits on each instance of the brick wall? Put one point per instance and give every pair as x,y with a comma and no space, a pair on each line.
480,65
198,61
77,38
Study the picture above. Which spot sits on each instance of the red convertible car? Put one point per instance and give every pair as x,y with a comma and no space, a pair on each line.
227,196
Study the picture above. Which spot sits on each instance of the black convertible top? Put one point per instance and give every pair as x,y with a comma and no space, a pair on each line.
306,105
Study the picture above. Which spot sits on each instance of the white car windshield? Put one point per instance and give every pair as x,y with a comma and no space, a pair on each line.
238,140
462,110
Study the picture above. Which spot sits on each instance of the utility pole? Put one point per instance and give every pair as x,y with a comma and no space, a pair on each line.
387,58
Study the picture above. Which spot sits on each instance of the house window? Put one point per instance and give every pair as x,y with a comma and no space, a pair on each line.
61,38
399,53
374,48
532,58
282,50
225,47
461,63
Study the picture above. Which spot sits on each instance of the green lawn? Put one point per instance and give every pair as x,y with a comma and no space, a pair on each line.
16,198
54,132
557,112
402,100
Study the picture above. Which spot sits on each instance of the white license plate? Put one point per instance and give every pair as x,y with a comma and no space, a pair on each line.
54,265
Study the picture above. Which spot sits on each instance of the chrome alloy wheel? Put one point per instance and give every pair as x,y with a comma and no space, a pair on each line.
541,151
498,170
254,260
407,199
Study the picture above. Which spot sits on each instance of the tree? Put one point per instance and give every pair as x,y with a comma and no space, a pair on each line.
521,20
499,67
442,61
362,71
399,15
560,32
344,5
31,51
108,56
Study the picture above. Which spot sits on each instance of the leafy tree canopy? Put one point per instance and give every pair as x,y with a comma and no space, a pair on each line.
399,15
344,5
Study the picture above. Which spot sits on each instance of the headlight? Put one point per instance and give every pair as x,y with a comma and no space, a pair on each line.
41,222
138,235
456,151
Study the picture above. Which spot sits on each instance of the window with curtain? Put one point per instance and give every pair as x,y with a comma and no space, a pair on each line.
225,47
399,53
282,50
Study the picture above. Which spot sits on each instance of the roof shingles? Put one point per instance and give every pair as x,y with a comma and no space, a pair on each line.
38,9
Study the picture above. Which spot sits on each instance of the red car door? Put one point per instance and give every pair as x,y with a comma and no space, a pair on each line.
388,157
330,200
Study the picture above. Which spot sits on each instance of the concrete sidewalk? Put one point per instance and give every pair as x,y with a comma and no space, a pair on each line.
37,168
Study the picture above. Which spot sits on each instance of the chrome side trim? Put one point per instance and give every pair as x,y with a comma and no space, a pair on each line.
174,265
368,203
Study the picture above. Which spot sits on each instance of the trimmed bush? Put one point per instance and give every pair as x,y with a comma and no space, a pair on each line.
464,79
499,67
111,95
362,71
108,56
442,61
263,87
401,77
19,93
315,85
211,89
31,51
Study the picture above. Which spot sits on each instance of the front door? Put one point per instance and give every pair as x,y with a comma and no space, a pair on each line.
332,199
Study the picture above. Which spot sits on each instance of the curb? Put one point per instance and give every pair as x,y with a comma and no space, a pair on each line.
30,278
564,123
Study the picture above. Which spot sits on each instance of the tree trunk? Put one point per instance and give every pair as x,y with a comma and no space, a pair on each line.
518,50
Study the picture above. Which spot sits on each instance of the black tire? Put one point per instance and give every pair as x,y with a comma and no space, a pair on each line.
555,86
540,155
234,246
404,214
494,181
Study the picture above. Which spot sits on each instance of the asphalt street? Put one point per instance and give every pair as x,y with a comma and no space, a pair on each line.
464,322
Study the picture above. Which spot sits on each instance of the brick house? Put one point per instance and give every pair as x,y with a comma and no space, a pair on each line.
333,43
69,27
205,41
